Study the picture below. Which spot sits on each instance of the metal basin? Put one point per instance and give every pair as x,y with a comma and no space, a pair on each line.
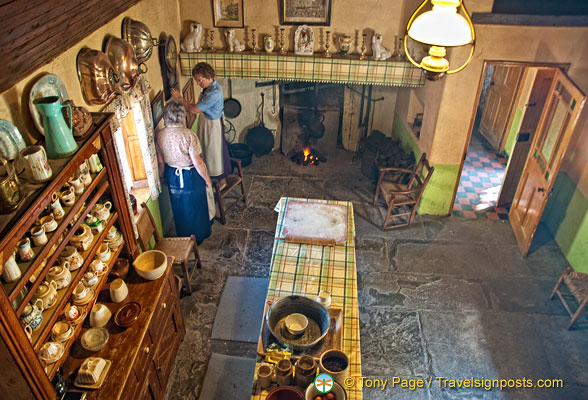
318,319
139,36
96,75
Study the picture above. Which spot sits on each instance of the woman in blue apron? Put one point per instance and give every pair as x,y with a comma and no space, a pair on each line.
215,151
185,172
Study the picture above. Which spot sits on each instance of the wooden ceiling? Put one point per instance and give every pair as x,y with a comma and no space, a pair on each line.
34,32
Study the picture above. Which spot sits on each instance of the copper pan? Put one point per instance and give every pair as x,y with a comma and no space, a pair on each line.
96,75
124,61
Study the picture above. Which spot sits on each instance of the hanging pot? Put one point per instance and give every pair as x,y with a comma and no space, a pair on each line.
259,138
137,33
124,62
232,106
96,76
312,121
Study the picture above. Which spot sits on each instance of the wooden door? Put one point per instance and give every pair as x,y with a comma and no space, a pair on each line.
534,108
554,132
497,110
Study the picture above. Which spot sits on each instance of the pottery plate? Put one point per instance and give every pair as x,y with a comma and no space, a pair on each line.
100,380
94,339
11,141
47,85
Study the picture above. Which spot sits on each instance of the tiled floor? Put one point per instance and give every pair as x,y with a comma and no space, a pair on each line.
481,178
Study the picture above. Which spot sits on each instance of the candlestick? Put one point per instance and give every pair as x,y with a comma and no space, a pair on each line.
212,49
362,55
253,40
282,48
327,44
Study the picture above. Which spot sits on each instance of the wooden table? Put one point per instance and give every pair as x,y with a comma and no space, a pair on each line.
304,269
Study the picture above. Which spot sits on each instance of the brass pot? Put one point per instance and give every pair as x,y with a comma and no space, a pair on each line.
10,193
96,75
139,36
124,61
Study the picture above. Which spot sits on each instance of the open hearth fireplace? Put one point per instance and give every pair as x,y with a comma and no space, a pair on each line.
308,156
311,122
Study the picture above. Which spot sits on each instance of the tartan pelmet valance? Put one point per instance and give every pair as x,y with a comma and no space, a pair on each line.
311,68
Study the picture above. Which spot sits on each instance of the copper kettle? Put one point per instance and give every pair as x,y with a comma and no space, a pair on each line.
10,194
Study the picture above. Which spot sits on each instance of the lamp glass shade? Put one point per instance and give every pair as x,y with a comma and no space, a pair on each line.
442,26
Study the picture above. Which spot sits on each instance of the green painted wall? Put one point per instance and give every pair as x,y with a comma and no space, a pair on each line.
566,217
512,134
439,192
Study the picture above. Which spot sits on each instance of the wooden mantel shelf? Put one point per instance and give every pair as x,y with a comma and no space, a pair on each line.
315,68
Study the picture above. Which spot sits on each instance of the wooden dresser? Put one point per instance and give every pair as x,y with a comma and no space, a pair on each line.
142,356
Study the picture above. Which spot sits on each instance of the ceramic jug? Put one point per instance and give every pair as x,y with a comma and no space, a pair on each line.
345,44
11,271
36,163
32,315
58,135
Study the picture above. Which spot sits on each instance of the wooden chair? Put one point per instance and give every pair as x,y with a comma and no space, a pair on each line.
232,182
178,247
401,190
577,283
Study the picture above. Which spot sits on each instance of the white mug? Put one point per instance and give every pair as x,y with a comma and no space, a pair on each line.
77,184
49,223
68,196
11,270
55,207
36,163
38,235
25,251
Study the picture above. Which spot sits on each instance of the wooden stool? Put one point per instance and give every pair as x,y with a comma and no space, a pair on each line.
577,283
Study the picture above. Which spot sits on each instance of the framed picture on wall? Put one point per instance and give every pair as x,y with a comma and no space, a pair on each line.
309,12
227,13
157,108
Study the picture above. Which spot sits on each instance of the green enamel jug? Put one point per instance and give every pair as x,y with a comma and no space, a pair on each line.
59,138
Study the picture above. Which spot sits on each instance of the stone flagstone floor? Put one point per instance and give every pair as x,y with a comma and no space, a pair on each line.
446,297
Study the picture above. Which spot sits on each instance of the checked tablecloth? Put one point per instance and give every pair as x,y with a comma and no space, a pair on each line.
304,269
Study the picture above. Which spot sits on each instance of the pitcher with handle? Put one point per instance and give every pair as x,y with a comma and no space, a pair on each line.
59,137
36,163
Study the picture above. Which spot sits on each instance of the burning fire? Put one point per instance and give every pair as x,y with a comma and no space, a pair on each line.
308,156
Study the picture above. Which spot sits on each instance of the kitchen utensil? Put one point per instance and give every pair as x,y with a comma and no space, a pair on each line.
296,323
336,364
284,372
11,141
232,106
338,391
92,373
118,290
58,135
264,375
96,75
260,138
120,268
45,86
285,393
36,164
124,62
318,321
139,36
151,264
11,271
242,151
128,314
100,315
10,194
305,371
94,339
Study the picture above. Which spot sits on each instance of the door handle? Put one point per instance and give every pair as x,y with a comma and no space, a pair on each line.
542,190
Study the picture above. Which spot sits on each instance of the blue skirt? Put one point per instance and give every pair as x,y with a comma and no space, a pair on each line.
189,203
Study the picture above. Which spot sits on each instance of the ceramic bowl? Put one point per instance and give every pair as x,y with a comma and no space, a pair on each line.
151,264
120,268
338,391
128,314
99,316
317,315
285,393
94,339
296,323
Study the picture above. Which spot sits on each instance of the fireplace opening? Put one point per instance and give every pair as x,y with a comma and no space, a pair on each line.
308,156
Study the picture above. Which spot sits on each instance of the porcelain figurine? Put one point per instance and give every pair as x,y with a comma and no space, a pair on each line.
380,52
345,44
269,44
233,42
191,43
303,41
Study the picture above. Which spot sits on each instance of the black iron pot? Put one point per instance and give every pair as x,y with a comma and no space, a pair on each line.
242,152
